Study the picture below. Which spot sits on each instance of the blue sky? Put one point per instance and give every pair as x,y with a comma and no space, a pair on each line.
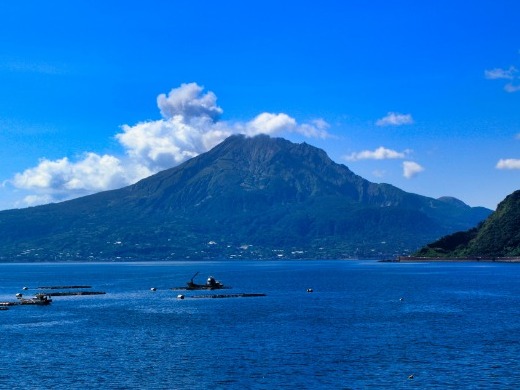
424,95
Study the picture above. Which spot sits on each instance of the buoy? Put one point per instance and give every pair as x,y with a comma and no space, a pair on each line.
410,376
18,295
180,296
310,290
25,288
401,299
153,289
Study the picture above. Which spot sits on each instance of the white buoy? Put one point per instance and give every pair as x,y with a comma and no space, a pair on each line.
153,289
180,296
18,295
25,288
309,290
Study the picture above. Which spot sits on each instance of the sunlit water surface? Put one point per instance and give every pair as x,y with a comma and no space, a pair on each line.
365,325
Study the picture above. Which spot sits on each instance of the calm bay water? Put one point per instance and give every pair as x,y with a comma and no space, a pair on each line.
458,326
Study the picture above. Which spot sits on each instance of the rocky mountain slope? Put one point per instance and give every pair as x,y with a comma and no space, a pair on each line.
255,197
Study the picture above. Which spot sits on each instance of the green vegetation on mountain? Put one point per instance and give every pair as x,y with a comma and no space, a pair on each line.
255,197
497,236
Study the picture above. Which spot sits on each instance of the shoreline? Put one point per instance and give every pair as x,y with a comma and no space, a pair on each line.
482,259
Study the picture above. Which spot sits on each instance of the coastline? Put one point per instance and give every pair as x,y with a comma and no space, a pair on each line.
484,259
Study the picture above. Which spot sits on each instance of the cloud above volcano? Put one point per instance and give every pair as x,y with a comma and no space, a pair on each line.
190,124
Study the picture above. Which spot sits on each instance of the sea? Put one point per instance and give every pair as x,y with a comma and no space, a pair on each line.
344,324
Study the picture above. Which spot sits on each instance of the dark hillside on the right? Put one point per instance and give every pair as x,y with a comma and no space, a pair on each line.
497,236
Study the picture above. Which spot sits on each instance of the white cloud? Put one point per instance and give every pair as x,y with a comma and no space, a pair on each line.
62,179
509,87
268,123
163,144
411,169
508,163
505,74
316,129
189,126
35,200
498,73
395,119
380,153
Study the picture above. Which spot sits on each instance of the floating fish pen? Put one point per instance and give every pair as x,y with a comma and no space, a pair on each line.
68,293
61,287
73,293
44,297
239,295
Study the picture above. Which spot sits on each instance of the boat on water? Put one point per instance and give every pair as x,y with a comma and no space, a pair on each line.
211,284
38,299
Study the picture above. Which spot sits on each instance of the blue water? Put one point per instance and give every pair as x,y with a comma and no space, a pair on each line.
458,326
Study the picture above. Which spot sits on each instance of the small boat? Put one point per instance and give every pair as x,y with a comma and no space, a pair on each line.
38,299
211,284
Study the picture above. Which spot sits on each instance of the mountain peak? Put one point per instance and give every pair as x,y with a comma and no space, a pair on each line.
269,194
264,147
